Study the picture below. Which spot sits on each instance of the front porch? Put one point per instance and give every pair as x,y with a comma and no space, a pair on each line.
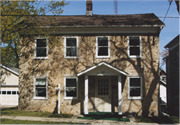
103,88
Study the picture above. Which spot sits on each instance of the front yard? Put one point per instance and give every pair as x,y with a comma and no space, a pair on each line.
160,119
15,112
10,121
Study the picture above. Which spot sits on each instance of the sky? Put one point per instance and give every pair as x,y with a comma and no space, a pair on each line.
158,7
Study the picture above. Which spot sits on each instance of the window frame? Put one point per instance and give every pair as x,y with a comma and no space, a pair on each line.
72,98
140,47
135,97
77,41
35,97
35,46
108,56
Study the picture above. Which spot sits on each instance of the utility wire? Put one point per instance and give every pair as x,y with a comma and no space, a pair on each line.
170,1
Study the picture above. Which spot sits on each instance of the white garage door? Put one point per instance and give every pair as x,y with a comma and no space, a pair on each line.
9,96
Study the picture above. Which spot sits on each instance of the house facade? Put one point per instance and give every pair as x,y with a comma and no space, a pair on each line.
103,63
9,85
172,70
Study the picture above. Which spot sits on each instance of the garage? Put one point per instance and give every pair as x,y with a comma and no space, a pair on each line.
9,86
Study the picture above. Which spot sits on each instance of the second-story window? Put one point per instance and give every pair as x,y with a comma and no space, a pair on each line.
134,47
41,48
71,47
102,47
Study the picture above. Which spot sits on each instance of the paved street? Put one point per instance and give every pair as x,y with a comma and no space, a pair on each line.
72,120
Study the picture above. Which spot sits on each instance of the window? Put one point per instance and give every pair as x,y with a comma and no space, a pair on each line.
71,47
41,48
70,87
3,92
14,92
134,48
9,92
102,47
40,88
135,88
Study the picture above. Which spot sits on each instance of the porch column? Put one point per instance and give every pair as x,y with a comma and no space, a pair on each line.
119,95
86,95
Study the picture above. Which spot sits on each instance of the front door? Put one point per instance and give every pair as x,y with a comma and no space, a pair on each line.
103,94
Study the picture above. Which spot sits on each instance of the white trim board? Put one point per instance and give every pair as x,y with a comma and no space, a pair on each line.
10,70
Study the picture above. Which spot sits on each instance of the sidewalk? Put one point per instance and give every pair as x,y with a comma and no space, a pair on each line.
73,120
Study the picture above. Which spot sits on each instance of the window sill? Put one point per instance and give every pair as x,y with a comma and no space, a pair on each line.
70,98
102,56
36,98
135,57
134,97
40,57
70,57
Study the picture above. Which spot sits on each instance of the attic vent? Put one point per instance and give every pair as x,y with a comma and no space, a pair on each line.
88,8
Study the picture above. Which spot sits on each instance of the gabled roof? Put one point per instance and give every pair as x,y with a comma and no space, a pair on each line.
101,64
173,42
146,20
11,69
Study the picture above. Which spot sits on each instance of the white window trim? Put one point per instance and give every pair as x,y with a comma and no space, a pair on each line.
135,97
77,41
134,56
65,88
108,47
35,45
46,88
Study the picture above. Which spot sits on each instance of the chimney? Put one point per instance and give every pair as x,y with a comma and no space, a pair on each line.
88,8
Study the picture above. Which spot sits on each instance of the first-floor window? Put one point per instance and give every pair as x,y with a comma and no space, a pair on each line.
70,85
135,88
40,88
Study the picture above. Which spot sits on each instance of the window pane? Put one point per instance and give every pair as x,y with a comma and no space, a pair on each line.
135,51
0,92
3,92
135,82
70,41
70,51
41,52
70,82
70,92
14,92
134,91
8,92
40,92
40,82
102,41
41,42
103,51
134,41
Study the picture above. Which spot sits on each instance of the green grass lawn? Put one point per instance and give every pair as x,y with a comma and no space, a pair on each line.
161,119
10,121
15,112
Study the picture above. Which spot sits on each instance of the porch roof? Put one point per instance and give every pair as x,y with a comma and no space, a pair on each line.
102,64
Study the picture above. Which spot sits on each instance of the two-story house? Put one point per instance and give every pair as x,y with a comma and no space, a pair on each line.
103,63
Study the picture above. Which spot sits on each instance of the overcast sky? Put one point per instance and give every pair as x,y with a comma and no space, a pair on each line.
158,7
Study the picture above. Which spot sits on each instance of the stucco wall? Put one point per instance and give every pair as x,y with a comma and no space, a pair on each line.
56,67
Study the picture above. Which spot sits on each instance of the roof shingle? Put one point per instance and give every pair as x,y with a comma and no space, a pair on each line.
100,20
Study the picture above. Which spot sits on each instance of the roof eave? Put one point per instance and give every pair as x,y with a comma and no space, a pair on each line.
127,26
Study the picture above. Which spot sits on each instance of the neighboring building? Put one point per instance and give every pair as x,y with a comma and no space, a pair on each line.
105,63
163,91
172,70
9,86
